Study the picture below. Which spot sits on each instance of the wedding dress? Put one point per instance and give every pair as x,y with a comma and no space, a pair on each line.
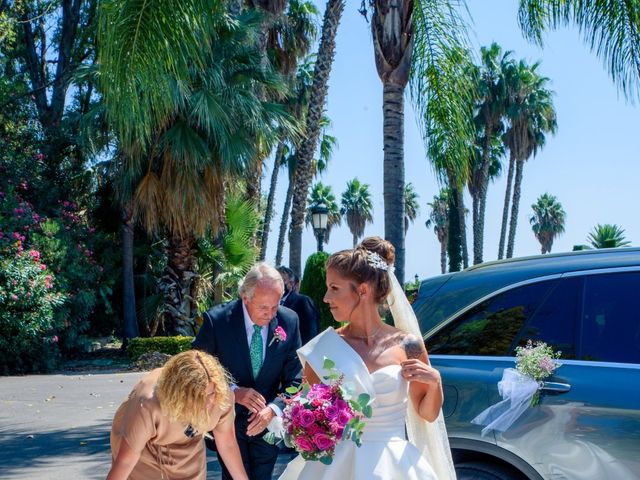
385,453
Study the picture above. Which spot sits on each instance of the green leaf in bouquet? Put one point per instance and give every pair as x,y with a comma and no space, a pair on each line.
363,400
332,377
326,460
305,389
328,364
292,390
367,411
288,441
270,438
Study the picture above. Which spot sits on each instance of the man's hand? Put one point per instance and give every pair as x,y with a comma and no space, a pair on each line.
250,398
259,421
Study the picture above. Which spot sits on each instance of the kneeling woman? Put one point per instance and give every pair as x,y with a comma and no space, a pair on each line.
157,432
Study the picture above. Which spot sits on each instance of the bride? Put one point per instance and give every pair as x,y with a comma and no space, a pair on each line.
389,363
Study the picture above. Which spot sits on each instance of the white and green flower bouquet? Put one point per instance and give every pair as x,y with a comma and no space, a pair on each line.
520,386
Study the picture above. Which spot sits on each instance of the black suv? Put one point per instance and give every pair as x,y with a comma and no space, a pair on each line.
586,304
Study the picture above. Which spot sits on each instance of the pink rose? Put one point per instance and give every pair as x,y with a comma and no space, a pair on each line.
343,417
304,444
306,418
331,411
319,414
323,442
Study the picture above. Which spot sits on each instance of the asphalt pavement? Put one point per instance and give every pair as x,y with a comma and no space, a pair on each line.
56,427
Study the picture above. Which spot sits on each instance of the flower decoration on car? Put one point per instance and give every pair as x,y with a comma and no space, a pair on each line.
520,387
536,360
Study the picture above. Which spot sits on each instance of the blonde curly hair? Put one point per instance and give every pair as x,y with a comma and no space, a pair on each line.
181,388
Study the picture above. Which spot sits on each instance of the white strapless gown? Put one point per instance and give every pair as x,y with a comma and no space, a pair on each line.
385,453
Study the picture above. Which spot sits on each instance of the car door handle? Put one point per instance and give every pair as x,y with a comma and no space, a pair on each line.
555,387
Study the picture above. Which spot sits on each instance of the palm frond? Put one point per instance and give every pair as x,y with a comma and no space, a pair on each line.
144,46
611,29
441,88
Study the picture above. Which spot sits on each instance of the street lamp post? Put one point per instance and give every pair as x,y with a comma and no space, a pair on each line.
319,218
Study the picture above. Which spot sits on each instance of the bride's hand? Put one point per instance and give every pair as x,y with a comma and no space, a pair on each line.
415,370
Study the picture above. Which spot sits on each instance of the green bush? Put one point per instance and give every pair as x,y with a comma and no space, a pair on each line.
168,345
314,285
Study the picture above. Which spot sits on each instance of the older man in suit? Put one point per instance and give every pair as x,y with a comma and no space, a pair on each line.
256,340
301,304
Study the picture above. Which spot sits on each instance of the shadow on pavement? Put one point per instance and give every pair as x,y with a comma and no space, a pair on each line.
18,452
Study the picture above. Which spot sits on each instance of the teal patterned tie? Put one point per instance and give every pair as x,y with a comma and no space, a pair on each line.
255,350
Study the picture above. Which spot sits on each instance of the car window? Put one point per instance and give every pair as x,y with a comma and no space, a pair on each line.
555,320
611,318
491,326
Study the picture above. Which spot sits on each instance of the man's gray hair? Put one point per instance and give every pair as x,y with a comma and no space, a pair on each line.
261,274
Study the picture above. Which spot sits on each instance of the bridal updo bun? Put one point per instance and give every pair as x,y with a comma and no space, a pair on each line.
357,265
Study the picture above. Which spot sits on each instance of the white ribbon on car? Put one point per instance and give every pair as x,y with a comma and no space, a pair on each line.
517,390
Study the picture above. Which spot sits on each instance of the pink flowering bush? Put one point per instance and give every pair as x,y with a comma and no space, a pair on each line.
319,416
62,246
28,299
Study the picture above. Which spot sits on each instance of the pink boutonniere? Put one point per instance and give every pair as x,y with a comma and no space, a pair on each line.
279,335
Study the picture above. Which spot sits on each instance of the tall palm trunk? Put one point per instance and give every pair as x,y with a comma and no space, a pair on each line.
443,253
270,200
505,209
514,207
128,287
317,97
393,108
177,285
284,221
393,31
454,244
463,226
478,223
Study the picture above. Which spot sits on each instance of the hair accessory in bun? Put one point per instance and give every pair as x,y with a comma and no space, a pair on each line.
376,261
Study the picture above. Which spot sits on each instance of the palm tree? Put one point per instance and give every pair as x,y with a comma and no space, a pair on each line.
610,29
392,28
547,221
357,208
290,43
321,193
439,220
443,92
212,123
317,97
607,236
422,36
491,109
531,115
283,39
319,165
411,205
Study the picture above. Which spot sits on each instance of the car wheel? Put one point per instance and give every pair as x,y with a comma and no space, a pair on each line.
486,471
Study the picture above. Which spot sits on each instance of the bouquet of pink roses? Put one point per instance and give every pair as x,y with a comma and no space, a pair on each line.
317,417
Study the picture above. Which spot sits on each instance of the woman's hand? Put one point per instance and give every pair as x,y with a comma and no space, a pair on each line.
415,370
425,387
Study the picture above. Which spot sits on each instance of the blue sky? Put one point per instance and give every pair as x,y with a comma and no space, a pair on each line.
591,165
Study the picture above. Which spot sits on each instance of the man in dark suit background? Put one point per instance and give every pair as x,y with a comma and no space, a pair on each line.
301,304
246,337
